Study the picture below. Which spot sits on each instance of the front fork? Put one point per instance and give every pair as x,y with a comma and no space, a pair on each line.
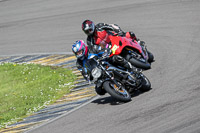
110,77
100,82
143,56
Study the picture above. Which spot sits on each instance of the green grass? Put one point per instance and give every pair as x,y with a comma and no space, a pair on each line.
27,88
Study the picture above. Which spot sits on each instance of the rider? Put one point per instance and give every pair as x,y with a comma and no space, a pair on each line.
80,49
98,34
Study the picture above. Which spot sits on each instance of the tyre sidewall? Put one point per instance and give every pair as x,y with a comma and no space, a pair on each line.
146,85
139,64
114,94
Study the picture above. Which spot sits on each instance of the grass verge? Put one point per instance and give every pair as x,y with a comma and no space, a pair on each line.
27,88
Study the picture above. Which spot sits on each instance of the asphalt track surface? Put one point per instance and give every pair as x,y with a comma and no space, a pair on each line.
171,30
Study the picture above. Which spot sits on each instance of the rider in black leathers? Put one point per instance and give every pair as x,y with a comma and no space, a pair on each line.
80,49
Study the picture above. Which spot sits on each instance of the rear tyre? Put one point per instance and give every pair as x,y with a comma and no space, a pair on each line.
146,85
121,94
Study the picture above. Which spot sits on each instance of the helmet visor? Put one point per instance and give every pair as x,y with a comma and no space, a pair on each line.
88,31
79,53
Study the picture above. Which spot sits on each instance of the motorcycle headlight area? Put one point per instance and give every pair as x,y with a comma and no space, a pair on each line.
96,72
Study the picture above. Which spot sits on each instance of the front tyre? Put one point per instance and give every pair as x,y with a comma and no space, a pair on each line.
139,64
120,94
151,57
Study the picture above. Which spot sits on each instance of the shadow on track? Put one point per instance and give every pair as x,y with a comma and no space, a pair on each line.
112,101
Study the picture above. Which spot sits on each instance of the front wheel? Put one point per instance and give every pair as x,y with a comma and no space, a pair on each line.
116,92
151,57
139,64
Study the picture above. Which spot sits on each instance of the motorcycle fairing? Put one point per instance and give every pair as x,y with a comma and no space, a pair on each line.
118,44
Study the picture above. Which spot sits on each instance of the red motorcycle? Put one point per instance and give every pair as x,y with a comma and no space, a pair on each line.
132,51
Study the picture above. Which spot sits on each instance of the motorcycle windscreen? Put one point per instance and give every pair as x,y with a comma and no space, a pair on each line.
90,64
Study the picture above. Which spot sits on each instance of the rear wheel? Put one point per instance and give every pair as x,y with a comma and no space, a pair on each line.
146,85
116,92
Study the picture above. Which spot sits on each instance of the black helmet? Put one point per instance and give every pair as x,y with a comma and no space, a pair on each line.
88,27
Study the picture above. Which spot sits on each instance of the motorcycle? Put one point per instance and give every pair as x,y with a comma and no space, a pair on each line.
115,80
132,51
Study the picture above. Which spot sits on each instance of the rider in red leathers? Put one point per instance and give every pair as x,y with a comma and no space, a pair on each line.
98,34
98,39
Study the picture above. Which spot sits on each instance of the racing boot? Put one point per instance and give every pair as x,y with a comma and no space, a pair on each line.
100,91
142,43
133,79
127,65
132,70
135,72
144,47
